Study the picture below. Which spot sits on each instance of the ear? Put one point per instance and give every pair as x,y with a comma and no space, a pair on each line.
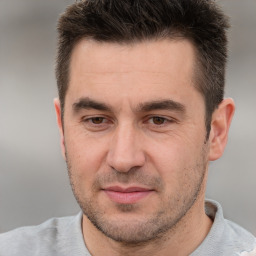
221,120
60,125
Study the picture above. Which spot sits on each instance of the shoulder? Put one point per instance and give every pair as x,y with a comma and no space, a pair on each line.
239,239
225,237
42,238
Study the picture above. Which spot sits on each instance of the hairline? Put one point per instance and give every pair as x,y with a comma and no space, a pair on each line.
197,70
197,76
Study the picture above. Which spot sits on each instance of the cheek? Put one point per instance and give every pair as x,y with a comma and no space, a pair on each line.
85,155
176,159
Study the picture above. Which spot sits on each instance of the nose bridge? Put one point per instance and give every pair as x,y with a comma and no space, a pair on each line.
125,150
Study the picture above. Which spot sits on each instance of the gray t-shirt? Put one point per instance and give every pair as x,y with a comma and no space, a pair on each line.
63,237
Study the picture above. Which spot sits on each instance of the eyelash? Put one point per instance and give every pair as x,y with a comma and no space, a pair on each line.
160,118
90,120
105,121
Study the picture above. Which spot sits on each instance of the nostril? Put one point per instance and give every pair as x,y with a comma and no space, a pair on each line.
125,151
124,163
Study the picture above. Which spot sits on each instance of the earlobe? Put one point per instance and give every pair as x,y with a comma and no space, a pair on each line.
221,120
60,125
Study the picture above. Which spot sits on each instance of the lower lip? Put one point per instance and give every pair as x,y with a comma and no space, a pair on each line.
127,197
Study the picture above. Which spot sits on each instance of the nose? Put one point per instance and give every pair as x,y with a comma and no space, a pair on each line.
125,150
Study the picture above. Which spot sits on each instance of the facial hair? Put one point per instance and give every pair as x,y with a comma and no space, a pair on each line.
171,210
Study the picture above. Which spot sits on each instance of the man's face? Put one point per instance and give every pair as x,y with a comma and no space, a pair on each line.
134,133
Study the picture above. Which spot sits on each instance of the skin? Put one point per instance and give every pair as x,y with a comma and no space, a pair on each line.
133,118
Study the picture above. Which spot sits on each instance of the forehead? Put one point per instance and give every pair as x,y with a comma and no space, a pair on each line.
142,71
156,56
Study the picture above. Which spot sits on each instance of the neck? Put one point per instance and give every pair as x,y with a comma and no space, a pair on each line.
183,239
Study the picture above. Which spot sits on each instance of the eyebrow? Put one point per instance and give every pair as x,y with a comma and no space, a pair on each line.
87,103
161,105
166,104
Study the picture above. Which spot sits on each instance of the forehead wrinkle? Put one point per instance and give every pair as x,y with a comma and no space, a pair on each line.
132,71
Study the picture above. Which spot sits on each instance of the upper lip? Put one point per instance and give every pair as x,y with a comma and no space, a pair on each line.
127,190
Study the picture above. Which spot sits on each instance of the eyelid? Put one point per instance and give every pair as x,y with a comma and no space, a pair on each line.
166,119
148,120
88,119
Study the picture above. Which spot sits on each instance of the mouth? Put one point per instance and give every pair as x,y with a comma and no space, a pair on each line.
129,195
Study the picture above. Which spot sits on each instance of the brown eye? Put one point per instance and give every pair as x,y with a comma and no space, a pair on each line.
97,120
158,120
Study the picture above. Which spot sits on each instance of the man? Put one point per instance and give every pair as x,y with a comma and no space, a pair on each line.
141,113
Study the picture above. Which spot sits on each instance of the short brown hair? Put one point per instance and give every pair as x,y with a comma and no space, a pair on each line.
129,21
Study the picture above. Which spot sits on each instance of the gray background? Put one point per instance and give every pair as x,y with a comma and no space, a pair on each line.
33,180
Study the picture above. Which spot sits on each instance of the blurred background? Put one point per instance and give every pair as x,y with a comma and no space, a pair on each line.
33,178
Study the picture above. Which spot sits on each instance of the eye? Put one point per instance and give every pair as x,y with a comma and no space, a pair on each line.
158,120
97,120
96,123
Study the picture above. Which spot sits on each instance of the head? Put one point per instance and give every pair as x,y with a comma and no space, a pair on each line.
128,22
141,111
